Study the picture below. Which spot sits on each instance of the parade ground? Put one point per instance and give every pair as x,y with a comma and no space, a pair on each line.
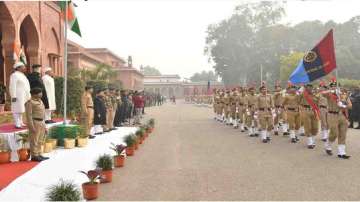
190,156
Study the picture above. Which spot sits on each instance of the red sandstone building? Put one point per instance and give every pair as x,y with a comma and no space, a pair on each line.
38,28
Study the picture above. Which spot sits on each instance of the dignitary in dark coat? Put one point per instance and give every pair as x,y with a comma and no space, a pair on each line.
117,122
355,111
99,112
36,81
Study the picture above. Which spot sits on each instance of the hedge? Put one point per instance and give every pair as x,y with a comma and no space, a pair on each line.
74,92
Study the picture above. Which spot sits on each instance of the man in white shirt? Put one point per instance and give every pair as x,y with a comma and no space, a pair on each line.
49,84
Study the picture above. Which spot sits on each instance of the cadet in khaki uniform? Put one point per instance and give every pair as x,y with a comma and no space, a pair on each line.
227,107
251,122
323,112
221,106
242,108
308,115
215,103
113,100
337,120
233,103
279,111
109,110
35,114
291,106
264,110
87,110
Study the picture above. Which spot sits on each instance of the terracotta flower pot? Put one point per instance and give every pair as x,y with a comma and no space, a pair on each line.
82,142
152,130
23,154
119,161
48,147
90,191
106,176
136,146
69,143
130,151
5,157
148,130
141,140
2,107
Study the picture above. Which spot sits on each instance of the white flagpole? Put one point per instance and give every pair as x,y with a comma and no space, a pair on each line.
65,62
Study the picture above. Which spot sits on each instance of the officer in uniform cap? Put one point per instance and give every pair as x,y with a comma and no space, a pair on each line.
337,120
291,106
264,110
323,105
35,114
251,121
278,100
87,110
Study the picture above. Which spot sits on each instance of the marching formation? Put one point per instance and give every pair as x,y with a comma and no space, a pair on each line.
294,111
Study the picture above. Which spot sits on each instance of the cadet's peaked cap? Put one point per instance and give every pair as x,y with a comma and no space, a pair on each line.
35,91
309,85
333,84
18,64
262,87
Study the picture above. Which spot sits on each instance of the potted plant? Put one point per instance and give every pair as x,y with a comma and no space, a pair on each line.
24,152
82,140
70,136
105,163
5,153
63,191
151,123
148,129
90,188
130,145
140,134
119,158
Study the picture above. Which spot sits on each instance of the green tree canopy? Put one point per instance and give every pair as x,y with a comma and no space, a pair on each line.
253,37
288,63
204,76
150,71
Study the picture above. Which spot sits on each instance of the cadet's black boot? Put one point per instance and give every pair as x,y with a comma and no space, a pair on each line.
276,133
351,124
293,140
36,158
286,133
43,157
329,152
311,146
344,156
264,140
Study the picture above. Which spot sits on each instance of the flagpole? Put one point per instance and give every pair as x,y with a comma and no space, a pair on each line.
65,62
261,74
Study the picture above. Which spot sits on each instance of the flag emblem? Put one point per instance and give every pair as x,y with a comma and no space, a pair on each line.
310,56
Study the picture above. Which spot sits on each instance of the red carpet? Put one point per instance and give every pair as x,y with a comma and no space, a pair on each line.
10,127
10,171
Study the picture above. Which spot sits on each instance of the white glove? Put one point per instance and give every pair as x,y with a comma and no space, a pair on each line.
256,115
341,105
247,112
337,91
301,90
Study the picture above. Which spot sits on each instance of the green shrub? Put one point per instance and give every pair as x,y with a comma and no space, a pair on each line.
60,132
130,140
140,133
74,92
105,162
63,191
151,122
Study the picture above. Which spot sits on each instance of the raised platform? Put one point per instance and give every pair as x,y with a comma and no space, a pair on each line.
63,164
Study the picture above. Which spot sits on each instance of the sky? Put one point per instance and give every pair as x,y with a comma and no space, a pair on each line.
170,34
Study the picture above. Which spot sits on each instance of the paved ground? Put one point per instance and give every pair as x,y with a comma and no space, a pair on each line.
192,157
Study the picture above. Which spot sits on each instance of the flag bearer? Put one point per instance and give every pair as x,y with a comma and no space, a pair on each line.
291,105
337,120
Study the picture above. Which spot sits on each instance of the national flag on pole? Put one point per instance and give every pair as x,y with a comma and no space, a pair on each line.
73,22
19,55
316,63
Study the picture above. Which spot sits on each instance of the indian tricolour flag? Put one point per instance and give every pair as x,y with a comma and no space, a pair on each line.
19,55
73,23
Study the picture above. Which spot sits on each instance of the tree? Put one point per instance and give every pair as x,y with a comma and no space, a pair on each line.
204,76
101,72
150,71
253,37
288,63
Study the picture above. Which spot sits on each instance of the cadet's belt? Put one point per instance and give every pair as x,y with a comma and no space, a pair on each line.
333,112
307,106
241,104
322,106
263,109
233,103
38,119
218,103
251,105
90,106
292,109
279,106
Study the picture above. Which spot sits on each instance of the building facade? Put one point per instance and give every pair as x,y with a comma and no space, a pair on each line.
37,27
171,85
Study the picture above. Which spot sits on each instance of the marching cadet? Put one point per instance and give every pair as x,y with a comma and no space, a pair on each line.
242,108
221,106
323,112
278,100
264,106
251,122
35,114
227,107
337,120
233,103
215,103
309,115
108,105
87,110
291,106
